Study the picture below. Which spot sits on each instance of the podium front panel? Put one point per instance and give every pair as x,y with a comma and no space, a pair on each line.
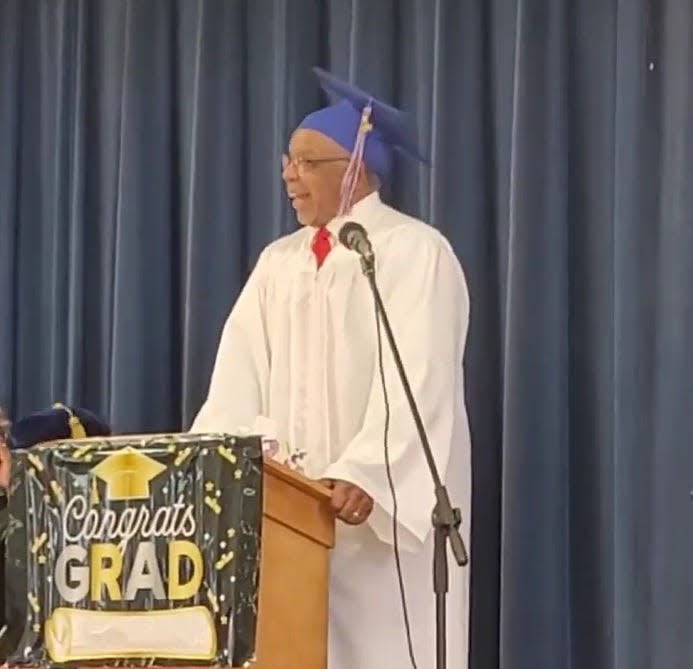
135,549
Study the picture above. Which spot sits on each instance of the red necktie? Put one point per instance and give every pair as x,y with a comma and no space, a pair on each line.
321,245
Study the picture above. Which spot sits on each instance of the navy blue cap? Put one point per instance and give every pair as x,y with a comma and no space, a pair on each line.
58,422
340,122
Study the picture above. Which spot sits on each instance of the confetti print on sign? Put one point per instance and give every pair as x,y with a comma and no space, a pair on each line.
38,543
224,560
227,454
213,504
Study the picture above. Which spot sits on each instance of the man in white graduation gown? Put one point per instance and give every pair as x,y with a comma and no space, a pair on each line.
298,356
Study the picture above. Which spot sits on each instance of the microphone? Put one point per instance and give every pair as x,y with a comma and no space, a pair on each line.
354,237
445,519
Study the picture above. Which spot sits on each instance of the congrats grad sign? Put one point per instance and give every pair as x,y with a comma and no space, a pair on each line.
131,549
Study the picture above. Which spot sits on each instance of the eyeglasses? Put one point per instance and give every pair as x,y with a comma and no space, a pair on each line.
304,164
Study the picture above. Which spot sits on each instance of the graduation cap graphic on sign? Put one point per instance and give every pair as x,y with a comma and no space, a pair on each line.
127,474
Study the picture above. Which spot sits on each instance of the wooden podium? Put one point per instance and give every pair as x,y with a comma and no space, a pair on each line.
297,533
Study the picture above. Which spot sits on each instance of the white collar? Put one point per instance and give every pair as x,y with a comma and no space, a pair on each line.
366,212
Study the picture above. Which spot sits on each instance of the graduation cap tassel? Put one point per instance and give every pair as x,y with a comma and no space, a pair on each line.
351,175
77,430
349,181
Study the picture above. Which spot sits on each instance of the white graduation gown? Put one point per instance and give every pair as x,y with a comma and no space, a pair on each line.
299,348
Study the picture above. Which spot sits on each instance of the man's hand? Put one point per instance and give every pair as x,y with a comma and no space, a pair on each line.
349,502
4,464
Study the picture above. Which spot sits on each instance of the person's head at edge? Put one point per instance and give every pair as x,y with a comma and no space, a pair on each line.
4,450
58,422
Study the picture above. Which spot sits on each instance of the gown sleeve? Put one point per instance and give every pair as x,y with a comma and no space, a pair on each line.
428,308
237,389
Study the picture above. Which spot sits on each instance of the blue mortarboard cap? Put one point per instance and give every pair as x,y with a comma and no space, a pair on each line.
340,122
58,422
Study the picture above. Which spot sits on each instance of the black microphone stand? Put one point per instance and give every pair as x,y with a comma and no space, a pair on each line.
445,519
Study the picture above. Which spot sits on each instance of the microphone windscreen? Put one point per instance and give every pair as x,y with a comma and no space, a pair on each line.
347,232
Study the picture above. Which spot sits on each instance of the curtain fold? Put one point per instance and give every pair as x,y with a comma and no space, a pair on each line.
140,148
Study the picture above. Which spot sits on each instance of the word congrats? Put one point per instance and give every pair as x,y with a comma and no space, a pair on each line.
167,521
86,567
80,572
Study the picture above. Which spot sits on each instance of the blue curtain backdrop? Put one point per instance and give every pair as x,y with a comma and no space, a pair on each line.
139,179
